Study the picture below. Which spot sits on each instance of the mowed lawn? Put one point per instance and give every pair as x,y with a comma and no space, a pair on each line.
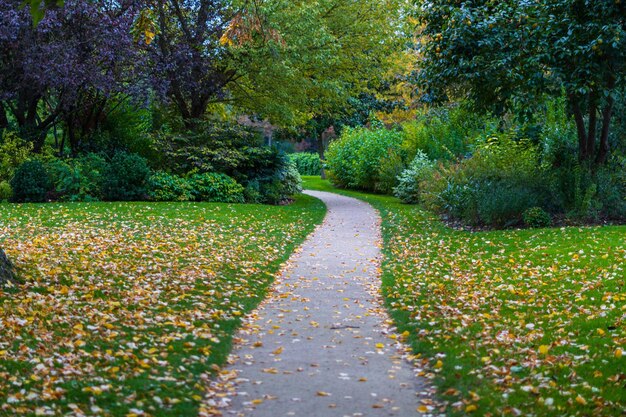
509,323
126,308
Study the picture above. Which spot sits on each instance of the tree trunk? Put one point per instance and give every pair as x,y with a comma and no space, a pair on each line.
580,127
320,150
4,121
593,126
7,272
607,112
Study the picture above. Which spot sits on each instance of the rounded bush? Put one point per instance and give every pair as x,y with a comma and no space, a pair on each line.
537,217
6,192
307,163
166,187
363,158
31,183
126,178
408,189
216,188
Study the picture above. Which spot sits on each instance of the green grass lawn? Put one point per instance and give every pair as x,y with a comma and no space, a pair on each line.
126,307
508,323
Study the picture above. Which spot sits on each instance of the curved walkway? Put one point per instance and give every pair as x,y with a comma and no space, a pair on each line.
321,346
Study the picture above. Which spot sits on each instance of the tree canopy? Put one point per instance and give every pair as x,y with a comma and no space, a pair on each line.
505,55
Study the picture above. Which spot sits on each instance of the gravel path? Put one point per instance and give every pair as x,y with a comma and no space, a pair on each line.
321,345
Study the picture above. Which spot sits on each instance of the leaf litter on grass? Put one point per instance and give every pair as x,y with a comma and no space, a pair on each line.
126,309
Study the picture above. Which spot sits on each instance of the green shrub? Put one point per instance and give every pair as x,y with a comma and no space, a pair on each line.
93,168
13,153
307,163
252,192
494,187
502,204
282,182
31,183
408,188
234,150
611,188
126,178
389,169
166,187
217,188
354,160
78,179
6,192
537,217
444,133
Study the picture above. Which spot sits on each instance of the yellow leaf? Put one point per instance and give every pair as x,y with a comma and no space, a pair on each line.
278,351
322,394
439,365
544,349
422,409
600,332
580,400
149,36
471,408
619,353
379,345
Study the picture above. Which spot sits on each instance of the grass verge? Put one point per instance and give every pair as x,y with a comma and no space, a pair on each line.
126,308
509,323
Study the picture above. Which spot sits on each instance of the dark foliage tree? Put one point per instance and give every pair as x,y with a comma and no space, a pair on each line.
187,55
67,67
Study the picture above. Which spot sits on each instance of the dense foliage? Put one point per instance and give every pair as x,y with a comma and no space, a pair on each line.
307,163
482,172
366,159
506,55
31,183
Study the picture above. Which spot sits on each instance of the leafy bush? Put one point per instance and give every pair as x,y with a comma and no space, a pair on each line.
389,169
126,178
408,189
166,187
307,163
13,153
234,150
444,133
611,188
278,185
354,160
494,187
6,192
78,179
31,183
217,188
537,217
502,204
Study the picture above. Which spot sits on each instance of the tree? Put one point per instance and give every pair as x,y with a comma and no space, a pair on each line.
7,272
187,55
68,66
281,60
506,55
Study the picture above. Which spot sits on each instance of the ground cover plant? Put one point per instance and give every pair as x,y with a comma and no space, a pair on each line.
518,322
124,309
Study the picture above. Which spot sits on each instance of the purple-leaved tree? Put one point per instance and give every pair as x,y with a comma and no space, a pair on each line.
68,66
